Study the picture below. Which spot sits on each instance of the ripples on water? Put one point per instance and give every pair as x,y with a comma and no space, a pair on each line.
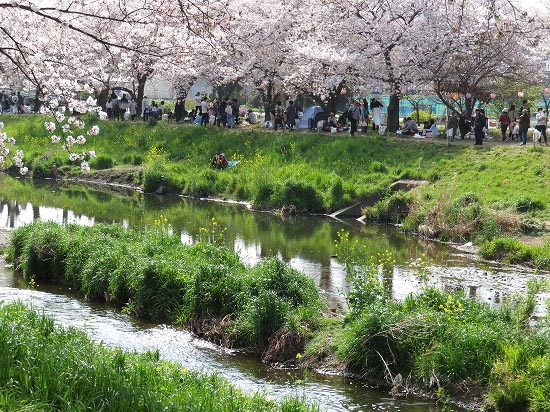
103,324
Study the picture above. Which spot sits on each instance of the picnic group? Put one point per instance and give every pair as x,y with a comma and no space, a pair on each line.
514,124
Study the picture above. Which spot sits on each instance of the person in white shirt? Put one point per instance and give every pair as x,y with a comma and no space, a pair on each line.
541,125
144,108
432,131
198,100
205,106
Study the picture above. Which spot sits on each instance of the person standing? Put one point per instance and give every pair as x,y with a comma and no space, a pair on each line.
115,102
198,100
133,110
376,109
365,112
144,108
124,106
291,115
480,122
452,125
278,115
354,115
205,107
525,106
464,125
109,108
541,125
230,115
504,121
235,108
216,107
524,123
178,109
14,100
222,116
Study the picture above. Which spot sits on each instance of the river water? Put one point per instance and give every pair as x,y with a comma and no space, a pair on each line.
304,242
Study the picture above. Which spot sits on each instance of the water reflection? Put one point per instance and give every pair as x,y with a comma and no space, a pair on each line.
306,243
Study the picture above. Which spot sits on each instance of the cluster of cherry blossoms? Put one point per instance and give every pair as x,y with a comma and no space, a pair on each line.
69,130
5,151
65,128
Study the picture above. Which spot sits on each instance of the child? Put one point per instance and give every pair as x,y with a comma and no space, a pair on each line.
514,130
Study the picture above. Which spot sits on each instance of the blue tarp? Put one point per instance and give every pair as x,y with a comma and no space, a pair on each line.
310,117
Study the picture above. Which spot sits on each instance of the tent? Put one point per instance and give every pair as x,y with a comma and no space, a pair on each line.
310,118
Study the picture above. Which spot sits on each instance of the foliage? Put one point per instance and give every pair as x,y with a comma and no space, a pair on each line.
101,379
439,339
153,275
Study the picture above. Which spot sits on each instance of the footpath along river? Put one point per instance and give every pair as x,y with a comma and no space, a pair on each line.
304,242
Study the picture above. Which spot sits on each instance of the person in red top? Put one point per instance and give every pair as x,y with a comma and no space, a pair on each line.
504,121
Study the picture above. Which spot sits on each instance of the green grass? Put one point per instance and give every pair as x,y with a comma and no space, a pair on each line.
321,173
44,367
436,339
151,274
443,340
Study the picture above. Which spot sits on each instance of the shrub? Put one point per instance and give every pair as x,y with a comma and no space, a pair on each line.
102,162
507,249
152,180
159,278
525,204
300,194
263,196
393,208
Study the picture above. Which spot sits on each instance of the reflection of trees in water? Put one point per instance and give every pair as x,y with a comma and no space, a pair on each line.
13,210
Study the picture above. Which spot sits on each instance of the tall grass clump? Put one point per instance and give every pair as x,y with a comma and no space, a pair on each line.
513,251
151,274
45,367
440,339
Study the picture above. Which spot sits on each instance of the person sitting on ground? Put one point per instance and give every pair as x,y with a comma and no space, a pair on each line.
252,117
425,127
219,161
330,122
432,130
410,128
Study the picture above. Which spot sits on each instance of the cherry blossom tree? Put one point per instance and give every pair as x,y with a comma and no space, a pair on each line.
476,46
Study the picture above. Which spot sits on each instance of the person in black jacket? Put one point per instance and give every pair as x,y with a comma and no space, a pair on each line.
464,125
480,125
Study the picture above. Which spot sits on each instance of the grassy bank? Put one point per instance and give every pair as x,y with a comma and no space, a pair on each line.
47,368
444,342
433,341
474,193
151,274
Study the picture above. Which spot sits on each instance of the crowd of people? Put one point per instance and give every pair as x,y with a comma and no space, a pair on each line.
514,124
14,102
219,112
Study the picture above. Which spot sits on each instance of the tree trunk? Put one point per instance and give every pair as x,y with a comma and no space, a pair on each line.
102,97
140,90
393,113
37,102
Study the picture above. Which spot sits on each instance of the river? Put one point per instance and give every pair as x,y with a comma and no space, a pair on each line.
304,242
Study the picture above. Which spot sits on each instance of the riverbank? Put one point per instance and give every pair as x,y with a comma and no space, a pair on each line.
433,343
49,368
477,194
